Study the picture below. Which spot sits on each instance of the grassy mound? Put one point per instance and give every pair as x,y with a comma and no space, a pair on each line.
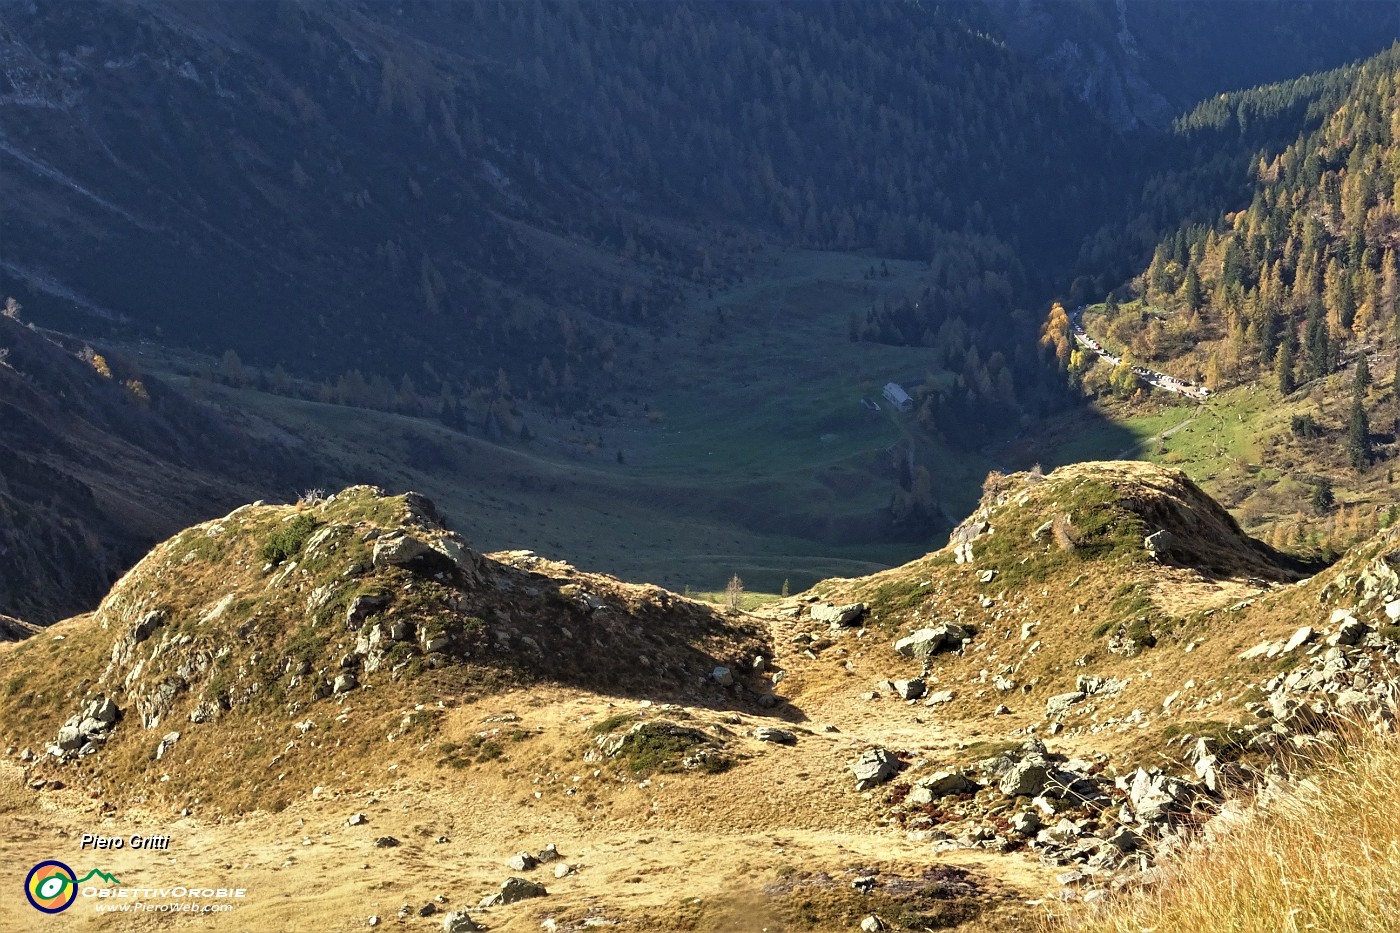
274,617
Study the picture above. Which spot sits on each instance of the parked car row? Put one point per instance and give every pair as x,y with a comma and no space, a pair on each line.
1150,376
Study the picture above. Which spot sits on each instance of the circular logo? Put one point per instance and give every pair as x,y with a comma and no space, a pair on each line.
51,886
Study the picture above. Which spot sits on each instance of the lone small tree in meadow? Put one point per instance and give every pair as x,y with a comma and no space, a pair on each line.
733,592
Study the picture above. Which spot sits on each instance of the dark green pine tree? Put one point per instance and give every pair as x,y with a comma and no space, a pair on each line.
1358,443
1316,351
1284,367
1191,291
1322,497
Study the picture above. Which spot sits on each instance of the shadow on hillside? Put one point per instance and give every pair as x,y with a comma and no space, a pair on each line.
636,643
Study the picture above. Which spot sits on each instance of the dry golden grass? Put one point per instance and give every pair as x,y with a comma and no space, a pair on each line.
1325,857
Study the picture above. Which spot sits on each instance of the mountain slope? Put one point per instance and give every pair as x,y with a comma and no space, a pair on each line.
409,194
98,461
1141,63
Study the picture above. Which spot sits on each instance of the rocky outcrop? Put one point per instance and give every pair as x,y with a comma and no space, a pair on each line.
86,730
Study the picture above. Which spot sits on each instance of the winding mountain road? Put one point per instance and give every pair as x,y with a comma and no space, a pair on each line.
1149,376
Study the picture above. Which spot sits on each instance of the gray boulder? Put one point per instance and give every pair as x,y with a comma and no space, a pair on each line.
452,548
1349,633
103,710
166,744
910,689
458,922
518,889
1025,778
1025,823
845,615
723,676
362,607
1299,639
399,550
776,736
929,641
940,784
1060,704
1153,797
521,861
874,767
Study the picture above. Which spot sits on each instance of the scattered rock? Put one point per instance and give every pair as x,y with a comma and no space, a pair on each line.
522,861
357,819
874,767
519,889
910,689
386,842
776,736
1060,704
723,676
458,922
841,616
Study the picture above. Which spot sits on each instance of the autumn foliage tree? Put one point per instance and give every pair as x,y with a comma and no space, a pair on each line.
1055,334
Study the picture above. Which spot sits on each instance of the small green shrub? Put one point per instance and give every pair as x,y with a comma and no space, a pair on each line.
287,541
613,723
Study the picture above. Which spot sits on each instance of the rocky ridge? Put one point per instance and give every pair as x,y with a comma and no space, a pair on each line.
1077,807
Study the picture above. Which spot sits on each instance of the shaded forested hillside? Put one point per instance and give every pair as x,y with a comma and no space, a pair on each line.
449,191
